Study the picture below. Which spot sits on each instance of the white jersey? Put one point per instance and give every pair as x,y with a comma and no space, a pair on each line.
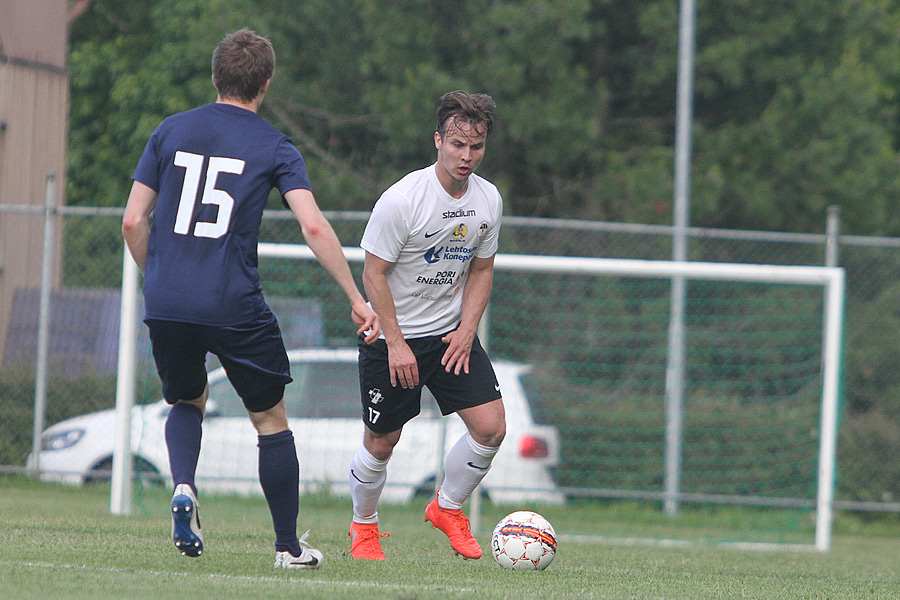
432,237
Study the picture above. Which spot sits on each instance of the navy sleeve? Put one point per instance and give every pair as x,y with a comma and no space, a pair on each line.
147,170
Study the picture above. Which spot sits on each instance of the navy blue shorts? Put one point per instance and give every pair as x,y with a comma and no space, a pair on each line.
387,408
253,356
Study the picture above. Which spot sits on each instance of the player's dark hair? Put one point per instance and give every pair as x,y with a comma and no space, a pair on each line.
476,109
241,64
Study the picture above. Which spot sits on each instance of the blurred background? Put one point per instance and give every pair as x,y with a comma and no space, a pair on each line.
795,113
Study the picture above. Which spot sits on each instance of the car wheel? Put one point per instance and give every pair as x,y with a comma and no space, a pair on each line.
145,473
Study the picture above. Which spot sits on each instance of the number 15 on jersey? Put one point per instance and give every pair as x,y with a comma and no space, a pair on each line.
193,164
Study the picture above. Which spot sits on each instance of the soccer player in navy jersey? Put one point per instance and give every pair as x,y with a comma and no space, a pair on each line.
205,176
430,244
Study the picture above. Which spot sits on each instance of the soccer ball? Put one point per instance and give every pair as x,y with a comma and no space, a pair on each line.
524,540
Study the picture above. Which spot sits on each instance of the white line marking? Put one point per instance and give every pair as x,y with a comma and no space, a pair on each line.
155,573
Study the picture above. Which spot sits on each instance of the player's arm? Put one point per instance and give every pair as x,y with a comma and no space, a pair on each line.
476,292
324,243
136,221
401,360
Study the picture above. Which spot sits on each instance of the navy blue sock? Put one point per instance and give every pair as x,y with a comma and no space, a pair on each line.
279,476
183,434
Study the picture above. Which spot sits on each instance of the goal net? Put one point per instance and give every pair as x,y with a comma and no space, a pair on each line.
756,423
746,454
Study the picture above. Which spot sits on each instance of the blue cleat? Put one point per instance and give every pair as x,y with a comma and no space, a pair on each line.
186,521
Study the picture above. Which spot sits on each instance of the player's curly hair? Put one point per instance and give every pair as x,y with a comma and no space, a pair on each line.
476,109
241,64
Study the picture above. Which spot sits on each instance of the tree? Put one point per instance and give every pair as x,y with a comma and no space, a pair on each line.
794,102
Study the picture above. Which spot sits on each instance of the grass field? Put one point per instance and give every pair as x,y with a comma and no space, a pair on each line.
60,542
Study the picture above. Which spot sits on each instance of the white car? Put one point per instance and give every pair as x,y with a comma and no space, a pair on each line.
325,415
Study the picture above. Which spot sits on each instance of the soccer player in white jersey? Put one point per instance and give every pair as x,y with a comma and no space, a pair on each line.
430,244
205,176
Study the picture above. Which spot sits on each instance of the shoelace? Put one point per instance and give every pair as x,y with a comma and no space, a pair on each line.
303,541
367,536
461,521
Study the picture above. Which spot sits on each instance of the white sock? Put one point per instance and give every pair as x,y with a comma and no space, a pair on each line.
367,477
467,464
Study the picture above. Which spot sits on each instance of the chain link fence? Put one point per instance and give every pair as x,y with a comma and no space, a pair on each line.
83,321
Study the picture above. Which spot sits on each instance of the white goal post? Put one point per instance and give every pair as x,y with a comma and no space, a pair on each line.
831,279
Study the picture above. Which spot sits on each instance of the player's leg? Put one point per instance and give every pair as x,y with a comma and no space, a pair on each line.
279,477
256,363
386,409
180,358
469,460
466,465
279,474
368,473
183,434
475,397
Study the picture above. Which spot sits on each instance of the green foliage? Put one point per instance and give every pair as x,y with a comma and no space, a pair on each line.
66,397
794,107
793,118
752,381
92,253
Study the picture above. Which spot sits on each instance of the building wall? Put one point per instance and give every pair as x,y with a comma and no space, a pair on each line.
33,111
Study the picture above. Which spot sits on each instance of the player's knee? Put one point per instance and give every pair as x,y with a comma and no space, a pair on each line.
381,446
496,438
491,436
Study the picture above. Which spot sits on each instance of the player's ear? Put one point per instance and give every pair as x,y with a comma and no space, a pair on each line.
265,86
437,140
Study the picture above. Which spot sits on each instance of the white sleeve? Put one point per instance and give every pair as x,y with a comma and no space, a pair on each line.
490,241
388,227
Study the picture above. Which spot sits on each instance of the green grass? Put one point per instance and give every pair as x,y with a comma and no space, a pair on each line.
61,542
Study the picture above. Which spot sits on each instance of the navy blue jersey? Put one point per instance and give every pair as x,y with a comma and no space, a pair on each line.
213,168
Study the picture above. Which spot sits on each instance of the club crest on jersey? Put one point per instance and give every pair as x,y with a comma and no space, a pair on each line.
433,255
482,228
460,232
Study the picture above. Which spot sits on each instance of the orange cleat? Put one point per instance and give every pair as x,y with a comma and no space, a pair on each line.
456,527
365,542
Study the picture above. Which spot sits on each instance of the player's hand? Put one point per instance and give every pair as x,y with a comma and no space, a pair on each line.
403,366
366,321
459,347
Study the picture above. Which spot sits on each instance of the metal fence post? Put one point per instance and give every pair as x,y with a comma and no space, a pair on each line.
121,485
832,231
40,376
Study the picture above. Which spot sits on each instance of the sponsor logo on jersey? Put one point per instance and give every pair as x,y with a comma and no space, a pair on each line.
460,253
433,255
432,234
453,214
460,232
430,297
440,278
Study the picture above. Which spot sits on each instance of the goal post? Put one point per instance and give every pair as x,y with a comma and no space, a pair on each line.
531,268
831,279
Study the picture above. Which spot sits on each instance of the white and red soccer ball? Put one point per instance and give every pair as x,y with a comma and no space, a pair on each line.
524,540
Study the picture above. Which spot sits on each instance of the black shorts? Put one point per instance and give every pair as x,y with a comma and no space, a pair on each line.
252,355
386,408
